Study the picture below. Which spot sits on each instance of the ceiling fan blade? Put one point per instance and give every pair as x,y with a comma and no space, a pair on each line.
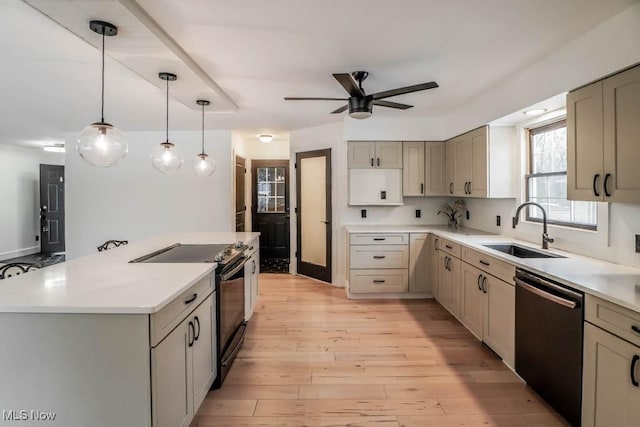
403,90
349,84
392,104
340,110
290,98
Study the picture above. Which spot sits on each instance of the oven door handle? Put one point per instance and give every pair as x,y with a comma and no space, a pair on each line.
546,295
227,275
235,350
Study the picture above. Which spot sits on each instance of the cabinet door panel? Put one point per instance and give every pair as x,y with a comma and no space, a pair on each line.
450,166
472,299
449,282
389,155
464,163
361,154
203,350
435,180
479,159
622,135
584,143
419,263
172,397
609,397
499,318
413,168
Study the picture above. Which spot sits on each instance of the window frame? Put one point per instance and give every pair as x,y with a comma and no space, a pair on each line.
530,132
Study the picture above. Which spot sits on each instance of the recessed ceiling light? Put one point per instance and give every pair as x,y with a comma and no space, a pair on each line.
265,138
58,148
535,112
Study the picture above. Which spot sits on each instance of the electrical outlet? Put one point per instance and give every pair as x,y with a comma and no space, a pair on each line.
468,214
498,220
418,213
363,213
37,238
638,243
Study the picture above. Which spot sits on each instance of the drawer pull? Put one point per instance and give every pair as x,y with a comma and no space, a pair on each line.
448,247
635,329
379,239
634,362
378,281
191,299
483,262
379,256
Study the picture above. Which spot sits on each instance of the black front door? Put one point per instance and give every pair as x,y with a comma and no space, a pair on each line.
270,211
51,208
241,207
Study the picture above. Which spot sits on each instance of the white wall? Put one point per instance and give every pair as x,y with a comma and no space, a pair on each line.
20,198
132,200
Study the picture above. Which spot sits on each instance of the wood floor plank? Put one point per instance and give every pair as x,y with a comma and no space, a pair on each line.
314,358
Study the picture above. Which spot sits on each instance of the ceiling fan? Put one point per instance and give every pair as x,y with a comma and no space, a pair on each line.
360,104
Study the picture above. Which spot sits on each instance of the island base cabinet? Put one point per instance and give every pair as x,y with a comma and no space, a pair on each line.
609,396
183,367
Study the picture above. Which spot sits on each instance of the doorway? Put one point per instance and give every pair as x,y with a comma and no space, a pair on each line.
270,213
51,209
241,207
313,222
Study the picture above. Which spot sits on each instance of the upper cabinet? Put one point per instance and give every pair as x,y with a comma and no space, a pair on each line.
435,183
413,178
372,154
480,163
602,139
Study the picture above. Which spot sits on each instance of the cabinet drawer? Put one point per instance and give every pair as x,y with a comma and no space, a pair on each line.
372,281
162,322
498,268
380,239
452,248
374,256
618,320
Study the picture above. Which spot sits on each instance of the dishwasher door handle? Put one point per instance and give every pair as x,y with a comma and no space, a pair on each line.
546,295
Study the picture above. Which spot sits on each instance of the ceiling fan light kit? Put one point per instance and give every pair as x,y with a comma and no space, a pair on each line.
166,157
102,144
204,165
359,104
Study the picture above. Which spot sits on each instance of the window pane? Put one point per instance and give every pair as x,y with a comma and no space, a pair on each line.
549,151
551,193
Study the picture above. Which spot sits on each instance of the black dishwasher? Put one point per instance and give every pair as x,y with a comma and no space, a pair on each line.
549,332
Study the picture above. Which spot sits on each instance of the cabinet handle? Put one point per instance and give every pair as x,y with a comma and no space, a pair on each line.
448,264
197,334
605,185
372,162
484,284
378,161
635,329
483,262
192,299
191,333
466,188
634,362
595,189
451,188
422,188
254,266
449,247
378,281
378,239
379,256
435,244
479,277
445,262
469,187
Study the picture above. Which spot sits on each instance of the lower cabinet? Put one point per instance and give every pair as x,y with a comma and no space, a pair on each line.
487,309
251,285
434,264
419,278
183,367
449,282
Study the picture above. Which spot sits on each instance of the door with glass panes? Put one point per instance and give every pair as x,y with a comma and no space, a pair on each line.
270,209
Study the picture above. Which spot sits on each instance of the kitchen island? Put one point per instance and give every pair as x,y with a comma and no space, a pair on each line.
103,342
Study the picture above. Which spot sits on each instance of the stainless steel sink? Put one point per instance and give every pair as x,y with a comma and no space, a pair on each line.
521,251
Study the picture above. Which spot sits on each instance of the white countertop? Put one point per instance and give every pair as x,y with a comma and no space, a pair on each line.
613,282
106,282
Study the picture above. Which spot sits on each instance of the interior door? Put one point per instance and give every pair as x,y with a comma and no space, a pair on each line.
313,222
241,207
52,209
270,217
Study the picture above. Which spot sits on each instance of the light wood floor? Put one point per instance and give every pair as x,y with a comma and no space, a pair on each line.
314,358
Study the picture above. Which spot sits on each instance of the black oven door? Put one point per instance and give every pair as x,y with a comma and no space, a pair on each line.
231,324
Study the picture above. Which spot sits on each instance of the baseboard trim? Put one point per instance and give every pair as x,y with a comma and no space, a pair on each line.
20,252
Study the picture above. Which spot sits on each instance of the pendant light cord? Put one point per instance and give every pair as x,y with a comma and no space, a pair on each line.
203,128
167,110
102,105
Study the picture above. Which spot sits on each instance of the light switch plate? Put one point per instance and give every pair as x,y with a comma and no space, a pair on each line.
638,243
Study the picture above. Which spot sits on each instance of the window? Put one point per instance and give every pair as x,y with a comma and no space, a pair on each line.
547,180
271,189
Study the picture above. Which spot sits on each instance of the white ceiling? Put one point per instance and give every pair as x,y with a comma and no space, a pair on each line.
261,51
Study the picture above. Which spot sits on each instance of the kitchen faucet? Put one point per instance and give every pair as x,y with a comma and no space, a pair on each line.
545,237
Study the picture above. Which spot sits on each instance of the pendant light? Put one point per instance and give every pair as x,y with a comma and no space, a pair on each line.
102,144
166,157
204,165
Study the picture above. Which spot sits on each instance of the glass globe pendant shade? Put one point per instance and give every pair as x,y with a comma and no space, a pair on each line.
204,165
166,157
102,144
